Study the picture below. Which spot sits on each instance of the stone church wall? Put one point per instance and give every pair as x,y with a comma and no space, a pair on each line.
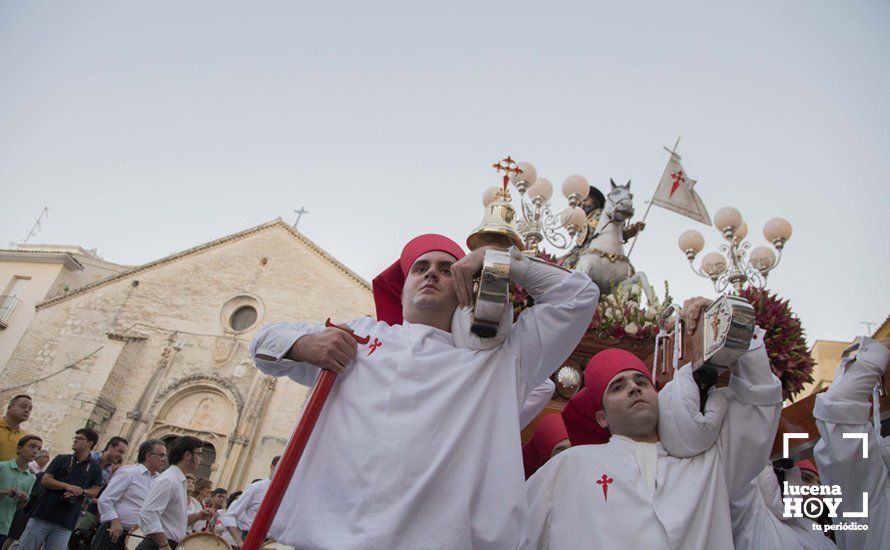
165,342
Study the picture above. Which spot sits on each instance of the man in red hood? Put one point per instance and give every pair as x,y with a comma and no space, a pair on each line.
417,445
618,486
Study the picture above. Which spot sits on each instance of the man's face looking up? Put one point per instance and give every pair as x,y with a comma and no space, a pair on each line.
630,405
429,286
20,409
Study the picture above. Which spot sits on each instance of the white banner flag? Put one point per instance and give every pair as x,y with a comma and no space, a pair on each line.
675,192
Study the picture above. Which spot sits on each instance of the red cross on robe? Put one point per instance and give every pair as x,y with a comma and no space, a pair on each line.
376,344
605,481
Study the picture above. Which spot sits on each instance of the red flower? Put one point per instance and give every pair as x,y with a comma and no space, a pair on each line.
784,340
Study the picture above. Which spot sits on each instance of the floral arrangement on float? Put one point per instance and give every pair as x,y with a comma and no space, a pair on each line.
621,313
784,340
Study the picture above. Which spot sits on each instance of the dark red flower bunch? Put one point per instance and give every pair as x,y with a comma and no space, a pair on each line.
784,340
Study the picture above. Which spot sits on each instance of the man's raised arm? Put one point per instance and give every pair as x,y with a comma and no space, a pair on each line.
752,418
547,333
741,419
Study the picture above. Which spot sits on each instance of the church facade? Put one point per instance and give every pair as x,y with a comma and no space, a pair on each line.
160,350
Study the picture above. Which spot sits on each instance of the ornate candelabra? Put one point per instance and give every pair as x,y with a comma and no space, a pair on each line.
537,221
734,266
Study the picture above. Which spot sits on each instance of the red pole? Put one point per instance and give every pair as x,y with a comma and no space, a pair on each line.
288,463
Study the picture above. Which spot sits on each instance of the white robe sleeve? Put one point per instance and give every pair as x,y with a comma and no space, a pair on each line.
272,343
754,397
547,333
535,402
684,431
844,409
752,418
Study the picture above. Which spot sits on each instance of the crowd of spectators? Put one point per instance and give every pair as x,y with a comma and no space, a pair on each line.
89,499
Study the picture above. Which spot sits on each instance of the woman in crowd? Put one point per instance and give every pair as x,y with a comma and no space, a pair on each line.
199,490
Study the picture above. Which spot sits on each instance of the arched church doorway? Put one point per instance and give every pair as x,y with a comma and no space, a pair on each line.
203,411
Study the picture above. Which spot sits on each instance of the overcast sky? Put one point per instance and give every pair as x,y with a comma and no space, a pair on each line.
151,127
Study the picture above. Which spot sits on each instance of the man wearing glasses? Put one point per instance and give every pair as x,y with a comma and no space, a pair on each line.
67,480
122,499
164,515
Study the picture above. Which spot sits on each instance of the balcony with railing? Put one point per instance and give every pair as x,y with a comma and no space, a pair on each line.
7,307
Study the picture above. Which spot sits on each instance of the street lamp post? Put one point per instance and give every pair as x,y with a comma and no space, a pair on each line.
734,266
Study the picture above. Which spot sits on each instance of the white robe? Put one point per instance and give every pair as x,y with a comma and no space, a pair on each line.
686,504
418,445
844,408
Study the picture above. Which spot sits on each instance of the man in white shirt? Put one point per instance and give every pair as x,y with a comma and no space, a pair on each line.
239,516
121,500
844,457
629,491
163,517
418,445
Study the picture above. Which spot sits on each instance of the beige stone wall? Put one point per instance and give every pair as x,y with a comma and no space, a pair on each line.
168,364
93,270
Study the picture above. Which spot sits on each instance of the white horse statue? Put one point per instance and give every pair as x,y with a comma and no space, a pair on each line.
604,260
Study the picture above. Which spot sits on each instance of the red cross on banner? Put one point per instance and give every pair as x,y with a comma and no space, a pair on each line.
676,192
678,179
605,481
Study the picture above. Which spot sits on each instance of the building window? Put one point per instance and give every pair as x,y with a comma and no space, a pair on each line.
7,307
11,298
243,318
241,313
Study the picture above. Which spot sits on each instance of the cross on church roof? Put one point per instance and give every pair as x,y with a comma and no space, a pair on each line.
300,213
